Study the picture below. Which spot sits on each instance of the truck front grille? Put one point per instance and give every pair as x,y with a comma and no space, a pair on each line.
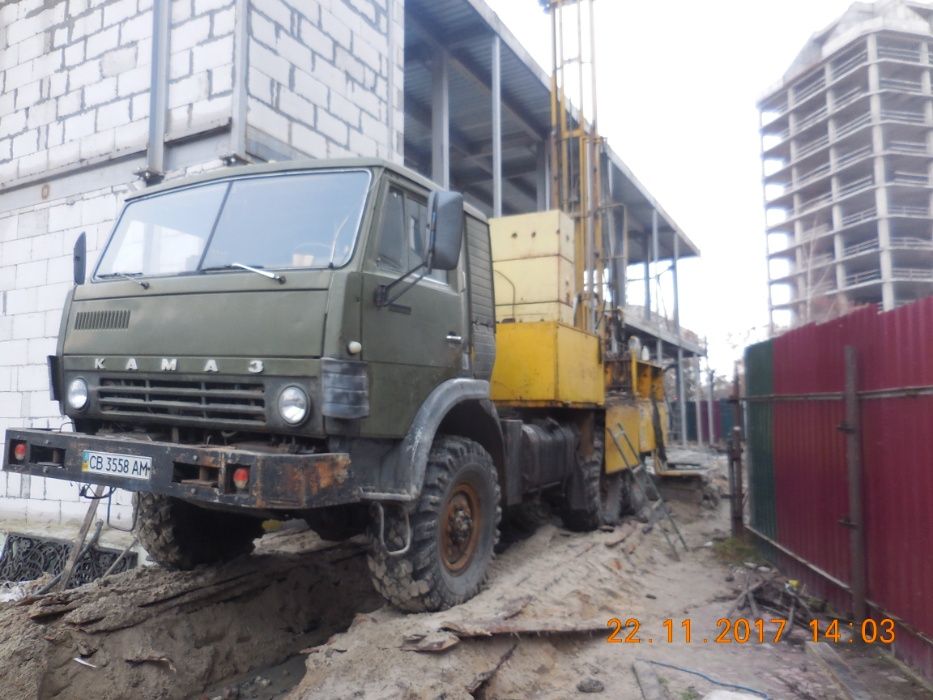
219,402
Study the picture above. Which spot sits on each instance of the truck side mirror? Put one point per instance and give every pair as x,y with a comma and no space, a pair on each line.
80,258
445,214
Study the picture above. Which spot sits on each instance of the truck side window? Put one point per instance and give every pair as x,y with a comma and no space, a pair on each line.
392,251
416,220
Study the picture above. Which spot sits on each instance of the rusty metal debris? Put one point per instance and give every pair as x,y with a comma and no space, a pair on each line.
26,558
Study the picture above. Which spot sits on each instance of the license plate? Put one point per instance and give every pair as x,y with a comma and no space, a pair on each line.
129,466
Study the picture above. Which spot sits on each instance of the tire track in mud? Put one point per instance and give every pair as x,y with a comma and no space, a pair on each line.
153,633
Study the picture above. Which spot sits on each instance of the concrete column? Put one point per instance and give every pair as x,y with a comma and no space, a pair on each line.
839,254
881,193
674,259
625,255
682,395
440,119
647,276
698,397
496,126
711,376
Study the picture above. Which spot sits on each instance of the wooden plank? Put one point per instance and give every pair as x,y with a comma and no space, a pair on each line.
651,688
838,670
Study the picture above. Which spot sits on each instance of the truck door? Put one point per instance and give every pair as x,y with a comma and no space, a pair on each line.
420,340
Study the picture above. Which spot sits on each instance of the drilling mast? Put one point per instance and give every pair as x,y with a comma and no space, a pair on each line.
576,147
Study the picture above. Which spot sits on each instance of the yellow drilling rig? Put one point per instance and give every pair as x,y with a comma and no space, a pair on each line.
562,349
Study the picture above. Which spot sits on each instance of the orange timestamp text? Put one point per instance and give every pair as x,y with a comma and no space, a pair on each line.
750,631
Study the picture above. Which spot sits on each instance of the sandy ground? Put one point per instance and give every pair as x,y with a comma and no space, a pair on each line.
300,620
556,578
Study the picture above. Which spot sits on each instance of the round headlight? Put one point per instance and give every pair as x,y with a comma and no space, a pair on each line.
293,405
77,394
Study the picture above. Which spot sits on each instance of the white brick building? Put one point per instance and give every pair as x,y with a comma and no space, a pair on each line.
80,85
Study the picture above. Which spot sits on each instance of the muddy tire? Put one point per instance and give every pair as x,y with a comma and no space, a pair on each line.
610,498
179,535
454,526
583,507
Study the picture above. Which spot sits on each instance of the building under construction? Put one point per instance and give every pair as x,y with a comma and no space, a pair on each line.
846,159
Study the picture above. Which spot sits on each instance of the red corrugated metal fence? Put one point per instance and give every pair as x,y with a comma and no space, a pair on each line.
804,488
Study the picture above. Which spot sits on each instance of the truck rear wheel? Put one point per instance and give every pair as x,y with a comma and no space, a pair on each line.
179,535
454,530
592,497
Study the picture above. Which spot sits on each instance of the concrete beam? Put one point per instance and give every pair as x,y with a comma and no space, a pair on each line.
434,37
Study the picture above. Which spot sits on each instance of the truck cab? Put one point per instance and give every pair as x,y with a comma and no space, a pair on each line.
276,341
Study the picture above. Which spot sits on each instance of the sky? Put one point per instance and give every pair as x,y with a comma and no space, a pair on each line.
678,83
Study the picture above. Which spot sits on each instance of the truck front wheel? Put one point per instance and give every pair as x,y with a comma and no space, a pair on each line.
179,535
454,529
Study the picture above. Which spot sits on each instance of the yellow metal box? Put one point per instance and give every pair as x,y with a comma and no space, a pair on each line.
534,235
543,311
534,281
546,364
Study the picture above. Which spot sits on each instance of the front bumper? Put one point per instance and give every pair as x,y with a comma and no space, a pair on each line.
199,474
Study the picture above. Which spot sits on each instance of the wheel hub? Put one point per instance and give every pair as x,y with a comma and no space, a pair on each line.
460,527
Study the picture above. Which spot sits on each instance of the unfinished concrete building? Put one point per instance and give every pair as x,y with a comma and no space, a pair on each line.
846,165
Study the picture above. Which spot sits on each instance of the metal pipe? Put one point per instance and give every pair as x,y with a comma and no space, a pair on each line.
390,80
854,472
496,126
240,67
158,91
896,393
440,120
543,179
711,376
611,231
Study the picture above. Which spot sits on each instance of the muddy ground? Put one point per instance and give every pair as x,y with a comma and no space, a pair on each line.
298,619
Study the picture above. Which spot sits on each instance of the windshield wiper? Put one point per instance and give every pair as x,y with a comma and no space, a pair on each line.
265,273
126,276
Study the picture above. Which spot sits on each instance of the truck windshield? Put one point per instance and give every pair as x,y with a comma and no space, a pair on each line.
300,220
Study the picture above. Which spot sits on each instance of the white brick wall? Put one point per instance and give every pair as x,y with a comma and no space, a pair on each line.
62,67
35,275
74,91
318,76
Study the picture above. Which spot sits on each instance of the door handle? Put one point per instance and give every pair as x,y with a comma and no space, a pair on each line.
454,338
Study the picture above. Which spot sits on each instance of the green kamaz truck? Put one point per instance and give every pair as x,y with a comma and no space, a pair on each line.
308,340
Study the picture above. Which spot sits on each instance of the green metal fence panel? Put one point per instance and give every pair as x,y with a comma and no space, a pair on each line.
759,381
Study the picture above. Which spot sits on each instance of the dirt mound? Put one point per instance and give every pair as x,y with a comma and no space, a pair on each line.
161,634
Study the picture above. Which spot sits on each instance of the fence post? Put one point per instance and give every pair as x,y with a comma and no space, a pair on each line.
734,444
854,522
